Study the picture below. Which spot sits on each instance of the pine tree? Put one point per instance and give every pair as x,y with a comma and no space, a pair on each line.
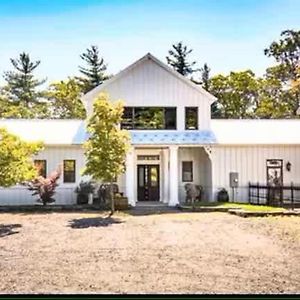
205,76
94,72
21,88
177,59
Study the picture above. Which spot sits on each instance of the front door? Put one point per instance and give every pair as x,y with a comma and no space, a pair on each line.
148,182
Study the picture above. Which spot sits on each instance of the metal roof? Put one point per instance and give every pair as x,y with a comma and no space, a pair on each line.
224,132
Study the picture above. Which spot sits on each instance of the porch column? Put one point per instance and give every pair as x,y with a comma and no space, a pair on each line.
165,176
173,178
129,176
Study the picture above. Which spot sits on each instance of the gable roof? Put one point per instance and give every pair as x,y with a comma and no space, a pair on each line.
94,92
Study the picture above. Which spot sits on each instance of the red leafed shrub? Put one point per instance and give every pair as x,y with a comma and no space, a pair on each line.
45,187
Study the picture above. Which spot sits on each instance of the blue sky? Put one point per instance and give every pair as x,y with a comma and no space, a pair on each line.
227,34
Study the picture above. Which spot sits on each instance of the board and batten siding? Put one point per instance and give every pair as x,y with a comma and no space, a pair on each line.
250,163
148,84
54,155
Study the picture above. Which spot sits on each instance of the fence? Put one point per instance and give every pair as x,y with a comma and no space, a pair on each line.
283,195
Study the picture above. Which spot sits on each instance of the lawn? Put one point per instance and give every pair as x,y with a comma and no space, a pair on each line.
244,206
159,253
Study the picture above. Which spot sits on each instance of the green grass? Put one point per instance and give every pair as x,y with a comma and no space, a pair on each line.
244,206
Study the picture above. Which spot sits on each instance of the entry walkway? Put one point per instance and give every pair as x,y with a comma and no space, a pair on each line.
152,207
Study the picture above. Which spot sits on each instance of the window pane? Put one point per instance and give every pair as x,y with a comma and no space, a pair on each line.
41,167
170,118
191,118
69,171
153,176
148,118
187,171
127,119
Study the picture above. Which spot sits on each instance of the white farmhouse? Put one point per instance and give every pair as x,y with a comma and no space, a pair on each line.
187,146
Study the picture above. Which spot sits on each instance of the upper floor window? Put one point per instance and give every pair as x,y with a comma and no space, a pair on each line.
69,171
191,118
149,118
41,166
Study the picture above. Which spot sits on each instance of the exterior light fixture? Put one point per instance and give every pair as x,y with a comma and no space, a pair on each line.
288,166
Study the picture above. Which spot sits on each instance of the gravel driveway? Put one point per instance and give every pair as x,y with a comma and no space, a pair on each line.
167,253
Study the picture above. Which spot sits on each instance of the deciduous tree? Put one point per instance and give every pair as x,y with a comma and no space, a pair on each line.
16,159
107,145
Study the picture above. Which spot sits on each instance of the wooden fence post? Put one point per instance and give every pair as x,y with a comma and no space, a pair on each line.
292,195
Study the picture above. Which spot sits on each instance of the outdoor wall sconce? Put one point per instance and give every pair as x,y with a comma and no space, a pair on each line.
288,166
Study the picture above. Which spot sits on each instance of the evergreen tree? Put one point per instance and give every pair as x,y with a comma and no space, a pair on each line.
178,59
205,76
21,89
94,71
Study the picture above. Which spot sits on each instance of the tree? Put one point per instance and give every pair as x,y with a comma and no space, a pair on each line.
15,159
286,52
21,88
94,72
236,93
205,70
65,97
107,145
178,59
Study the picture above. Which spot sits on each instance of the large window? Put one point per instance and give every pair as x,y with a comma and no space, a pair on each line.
69,171
187,171
191,118
41,166
149,118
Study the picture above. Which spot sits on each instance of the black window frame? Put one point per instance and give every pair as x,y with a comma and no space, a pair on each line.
196,108
131,125
73,172
44,173
183,169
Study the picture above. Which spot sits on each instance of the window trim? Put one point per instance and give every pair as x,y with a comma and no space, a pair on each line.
45,161
192,171
64,180
185,117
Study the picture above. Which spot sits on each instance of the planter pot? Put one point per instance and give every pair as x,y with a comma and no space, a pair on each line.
121,203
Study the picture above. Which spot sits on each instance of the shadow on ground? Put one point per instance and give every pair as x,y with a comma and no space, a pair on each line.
93,222
8,229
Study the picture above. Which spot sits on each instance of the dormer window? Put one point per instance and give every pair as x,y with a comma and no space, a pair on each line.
191,118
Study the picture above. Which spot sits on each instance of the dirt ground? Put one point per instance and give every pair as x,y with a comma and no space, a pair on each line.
167,253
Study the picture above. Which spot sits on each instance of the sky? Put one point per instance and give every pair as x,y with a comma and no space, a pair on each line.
228,35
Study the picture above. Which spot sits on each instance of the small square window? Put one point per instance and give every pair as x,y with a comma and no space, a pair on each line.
187,171
69,171
191,118
41,166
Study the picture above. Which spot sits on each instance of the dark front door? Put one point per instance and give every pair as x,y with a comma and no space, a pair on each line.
275,181
148,182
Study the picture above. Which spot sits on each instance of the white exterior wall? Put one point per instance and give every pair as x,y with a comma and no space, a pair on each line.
54,155
148,84
250,163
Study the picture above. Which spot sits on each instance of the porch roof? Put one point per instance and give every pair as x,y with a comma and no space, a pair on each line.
150,137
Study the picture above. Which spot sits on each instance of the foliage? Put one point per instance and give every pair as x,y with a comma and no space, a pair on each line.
83,190
15,159
21,89
94,72
65,100
107,145
236,94
205,70
45,187
178,60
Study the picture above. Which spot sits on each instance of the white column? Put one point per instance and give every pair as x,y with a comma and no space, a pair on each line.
173,182
165,176
129,175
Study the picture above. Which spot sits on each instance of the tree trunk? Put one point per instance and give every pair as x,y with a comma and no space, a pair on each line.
112,199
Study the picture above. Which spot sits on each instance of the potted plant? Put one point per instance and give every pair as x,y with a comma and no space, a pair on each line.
223,195
85,191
